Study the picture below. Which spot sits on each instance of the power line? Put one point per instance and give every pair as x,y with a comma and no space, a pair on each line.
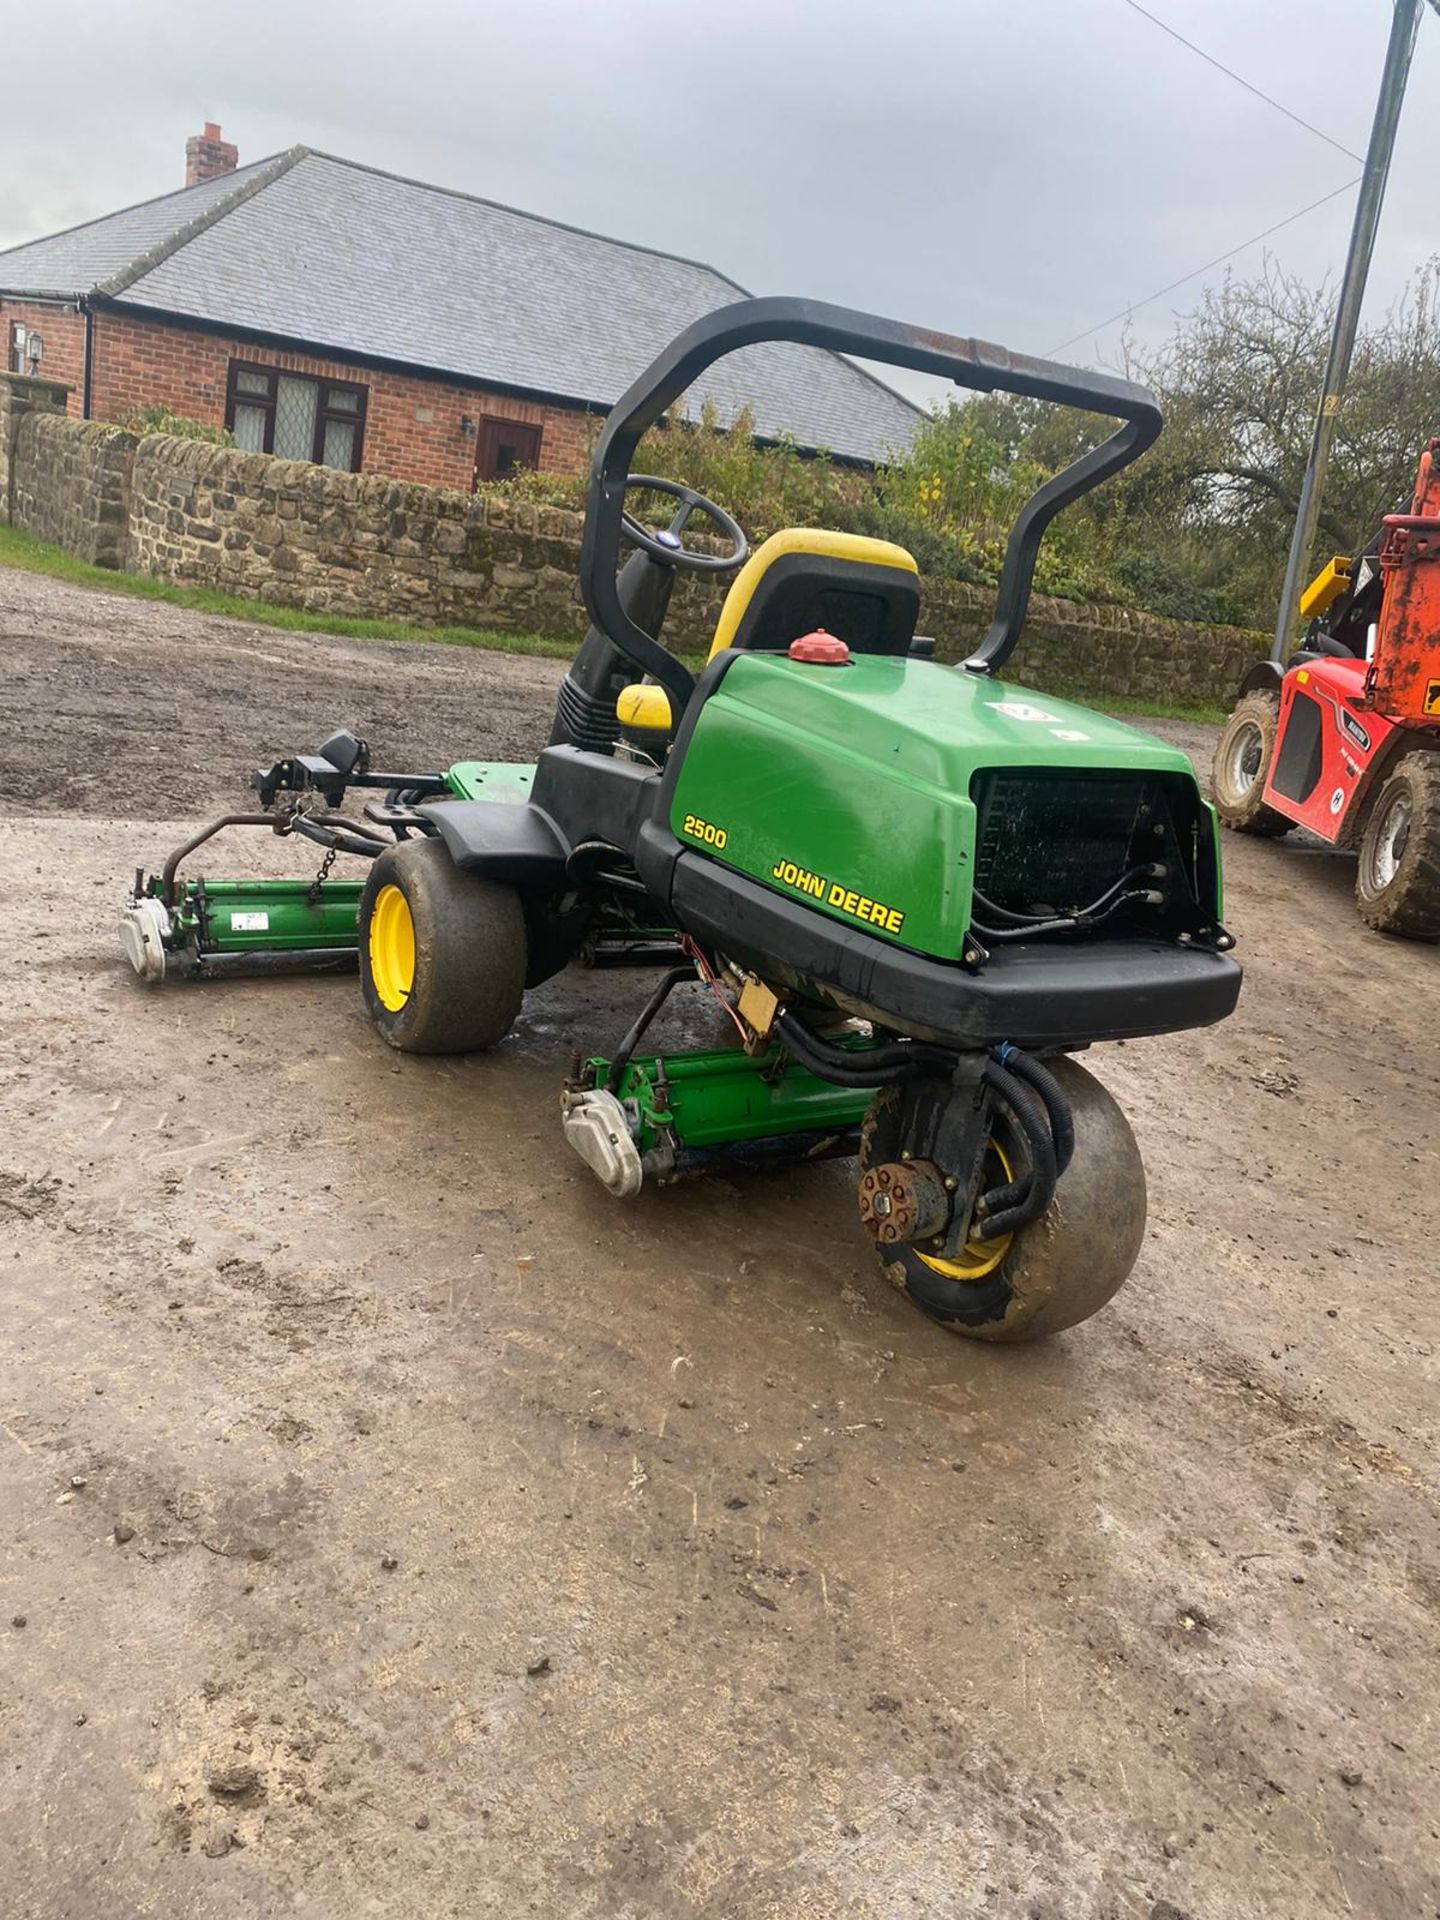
1218,261
1240,79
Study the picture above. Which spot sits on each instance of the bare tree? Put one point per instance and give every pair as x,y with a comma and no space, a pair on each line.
1201,526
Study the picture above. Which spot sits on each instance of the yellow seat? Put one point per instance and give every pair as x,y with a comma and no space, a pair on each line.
867,592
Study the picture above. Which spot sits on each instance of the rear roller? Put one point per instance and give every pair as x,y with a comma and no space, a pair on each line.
442,952
1046,1274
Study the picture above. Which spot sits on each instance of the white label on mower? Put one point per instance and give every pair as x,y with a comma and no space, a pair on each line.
1069,733
249,923
1022,710
1337,800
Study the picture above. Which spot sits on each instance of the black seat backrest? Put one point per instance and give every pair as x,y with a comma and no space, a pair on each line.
866,592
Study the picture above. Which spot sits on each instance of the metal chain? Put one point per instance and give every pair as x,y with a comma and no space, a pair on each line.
313,896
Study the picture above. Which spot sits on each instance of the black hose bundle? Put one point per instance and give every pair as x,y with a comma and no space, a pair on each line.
1057,1107
1008,1208
1036,1103
874,1067
1024,1086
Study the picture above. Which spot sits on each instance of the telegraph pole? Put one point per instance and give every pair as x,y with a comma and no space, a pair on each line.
1404,25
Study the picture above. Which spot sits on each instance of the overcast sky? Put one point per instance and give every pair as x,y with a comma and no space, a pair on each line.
1019,169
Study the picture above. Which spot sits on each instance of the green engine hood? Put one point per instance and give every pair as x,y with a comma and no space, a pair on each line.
851,787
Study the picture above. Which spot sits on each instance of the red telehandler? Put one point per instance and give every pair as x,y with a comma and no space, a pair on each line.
1345,738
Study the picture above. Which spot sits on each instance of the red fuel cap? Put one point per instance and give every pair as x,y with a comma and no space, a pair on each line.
820,649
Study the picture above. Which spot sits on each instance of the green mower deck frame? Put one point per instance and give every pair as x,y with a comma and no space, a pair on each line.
688,1105
198,921
234,917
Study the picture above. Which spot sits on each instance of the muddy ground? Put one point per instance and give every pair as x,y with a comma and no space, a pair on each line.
394,1523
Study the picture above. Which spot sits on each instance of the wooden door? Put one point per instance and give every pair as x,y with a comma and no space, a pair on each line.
504,445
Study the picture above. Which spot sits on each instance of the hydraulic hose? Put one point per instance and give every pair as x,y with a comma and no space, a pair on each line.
1100,908
642,1020
1013,1192
1062,1125
1034,1122
334,830
1031,1093
875,1067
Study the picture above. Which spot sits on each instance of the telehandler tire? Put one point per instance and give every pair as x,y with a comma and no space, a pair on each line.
1062,1267
1397,880
442,952
1242,759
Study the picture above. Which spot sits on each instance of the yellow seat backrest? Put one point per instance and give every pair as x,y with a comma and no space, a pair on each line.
820,542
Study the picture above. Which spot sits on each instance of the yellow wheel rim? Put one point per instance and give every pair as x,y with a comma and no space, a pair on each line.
981,1257
392,948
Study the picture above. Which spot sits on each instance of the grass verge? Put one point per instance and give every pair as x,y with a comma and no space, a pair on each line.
1126,709
24,551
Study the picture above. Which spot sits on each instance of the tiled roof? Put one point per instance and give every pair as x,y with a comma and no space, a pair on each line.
84,258
310,248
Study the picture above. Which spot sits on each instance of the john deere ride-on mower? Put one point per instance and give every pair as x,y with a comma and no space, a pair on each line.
915,891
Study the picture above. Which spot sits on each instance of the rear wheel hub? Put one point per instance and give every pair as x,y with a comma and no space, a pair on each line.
904,1200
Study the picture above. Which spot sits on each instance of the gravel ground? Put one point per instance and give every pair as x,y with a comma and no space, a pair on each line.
395,1524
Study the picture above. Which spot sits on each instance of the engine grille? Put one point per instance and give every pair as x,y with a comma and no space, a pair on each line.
1052,842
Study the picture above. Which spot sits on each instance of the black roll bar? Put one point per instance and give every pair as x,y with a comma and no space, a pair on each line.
976,364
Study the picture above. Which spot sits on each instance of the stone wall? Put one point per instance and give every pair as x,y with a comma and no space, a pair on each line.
355,544
71,484
360,545
1085,650
19,396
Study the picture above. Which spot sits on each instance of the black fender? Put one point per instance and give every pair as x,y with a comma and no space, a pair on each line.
517,845
1265,676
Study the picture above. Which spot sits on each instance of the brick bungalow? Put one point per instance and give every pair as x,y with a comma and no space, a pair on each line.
326,311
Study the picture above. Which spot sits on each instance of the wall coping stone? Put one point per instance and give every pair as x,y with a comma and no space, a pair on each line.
37,387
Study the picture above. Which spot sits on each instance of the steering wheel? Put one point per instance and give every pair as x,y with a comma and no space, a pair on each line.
666,545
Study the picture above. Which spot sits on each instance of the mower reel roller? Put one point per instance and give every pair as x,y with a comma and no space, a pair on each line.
217,923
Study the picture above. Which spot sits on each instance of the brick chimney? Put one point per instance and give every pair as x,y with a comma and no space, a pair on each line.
207,156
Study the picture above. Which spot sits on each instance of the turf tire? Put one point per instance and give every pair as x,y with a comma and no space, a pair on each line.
1064,1266
469,971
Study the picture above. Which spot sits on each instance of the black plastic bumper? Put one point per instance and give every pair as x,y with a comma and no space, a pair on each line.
1050,996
